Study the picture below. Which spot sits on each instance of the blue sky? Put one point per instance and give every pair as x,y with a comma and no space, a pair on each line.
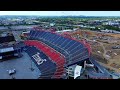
60,13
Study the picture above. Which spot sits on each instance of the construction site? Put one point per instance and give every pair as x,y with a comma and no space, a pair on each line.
105,47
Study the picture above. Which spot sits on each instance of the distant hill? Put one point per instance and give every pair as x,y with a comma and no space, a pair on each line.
80,16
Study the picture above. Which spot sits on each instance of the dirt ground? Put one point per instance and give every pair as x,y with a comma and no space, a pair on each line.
103,45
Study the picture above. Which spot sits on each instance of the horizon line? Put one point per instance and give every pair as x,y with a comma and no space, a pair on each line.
59,15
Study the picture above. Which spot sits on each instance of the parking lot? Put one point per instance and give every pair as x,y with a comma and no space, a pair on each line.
22,66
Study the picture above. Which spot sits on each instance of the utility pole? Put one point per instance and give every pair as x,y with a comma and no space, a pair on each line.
31,68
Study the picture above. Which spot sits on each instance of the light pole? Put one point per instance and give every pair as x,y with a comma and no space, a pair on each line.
32,69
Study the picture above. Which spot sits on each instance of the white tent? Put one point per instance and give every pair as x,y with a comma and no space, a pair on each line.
77,71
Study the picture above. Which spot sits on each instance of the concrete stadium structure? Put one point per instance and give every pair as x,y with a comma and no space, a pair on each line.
53,53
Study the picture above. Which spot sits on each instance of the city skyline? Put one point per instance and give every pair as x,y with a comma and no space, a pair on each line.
62,13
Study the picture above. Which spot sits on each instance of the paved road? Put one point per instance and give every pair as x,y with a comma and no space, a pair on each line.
22,66
16,35
23,27
107,66
104,74
3,28
19,27
101,68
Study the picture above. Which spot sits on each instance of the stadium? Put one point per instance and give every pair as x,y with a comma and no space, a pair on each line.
55,55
